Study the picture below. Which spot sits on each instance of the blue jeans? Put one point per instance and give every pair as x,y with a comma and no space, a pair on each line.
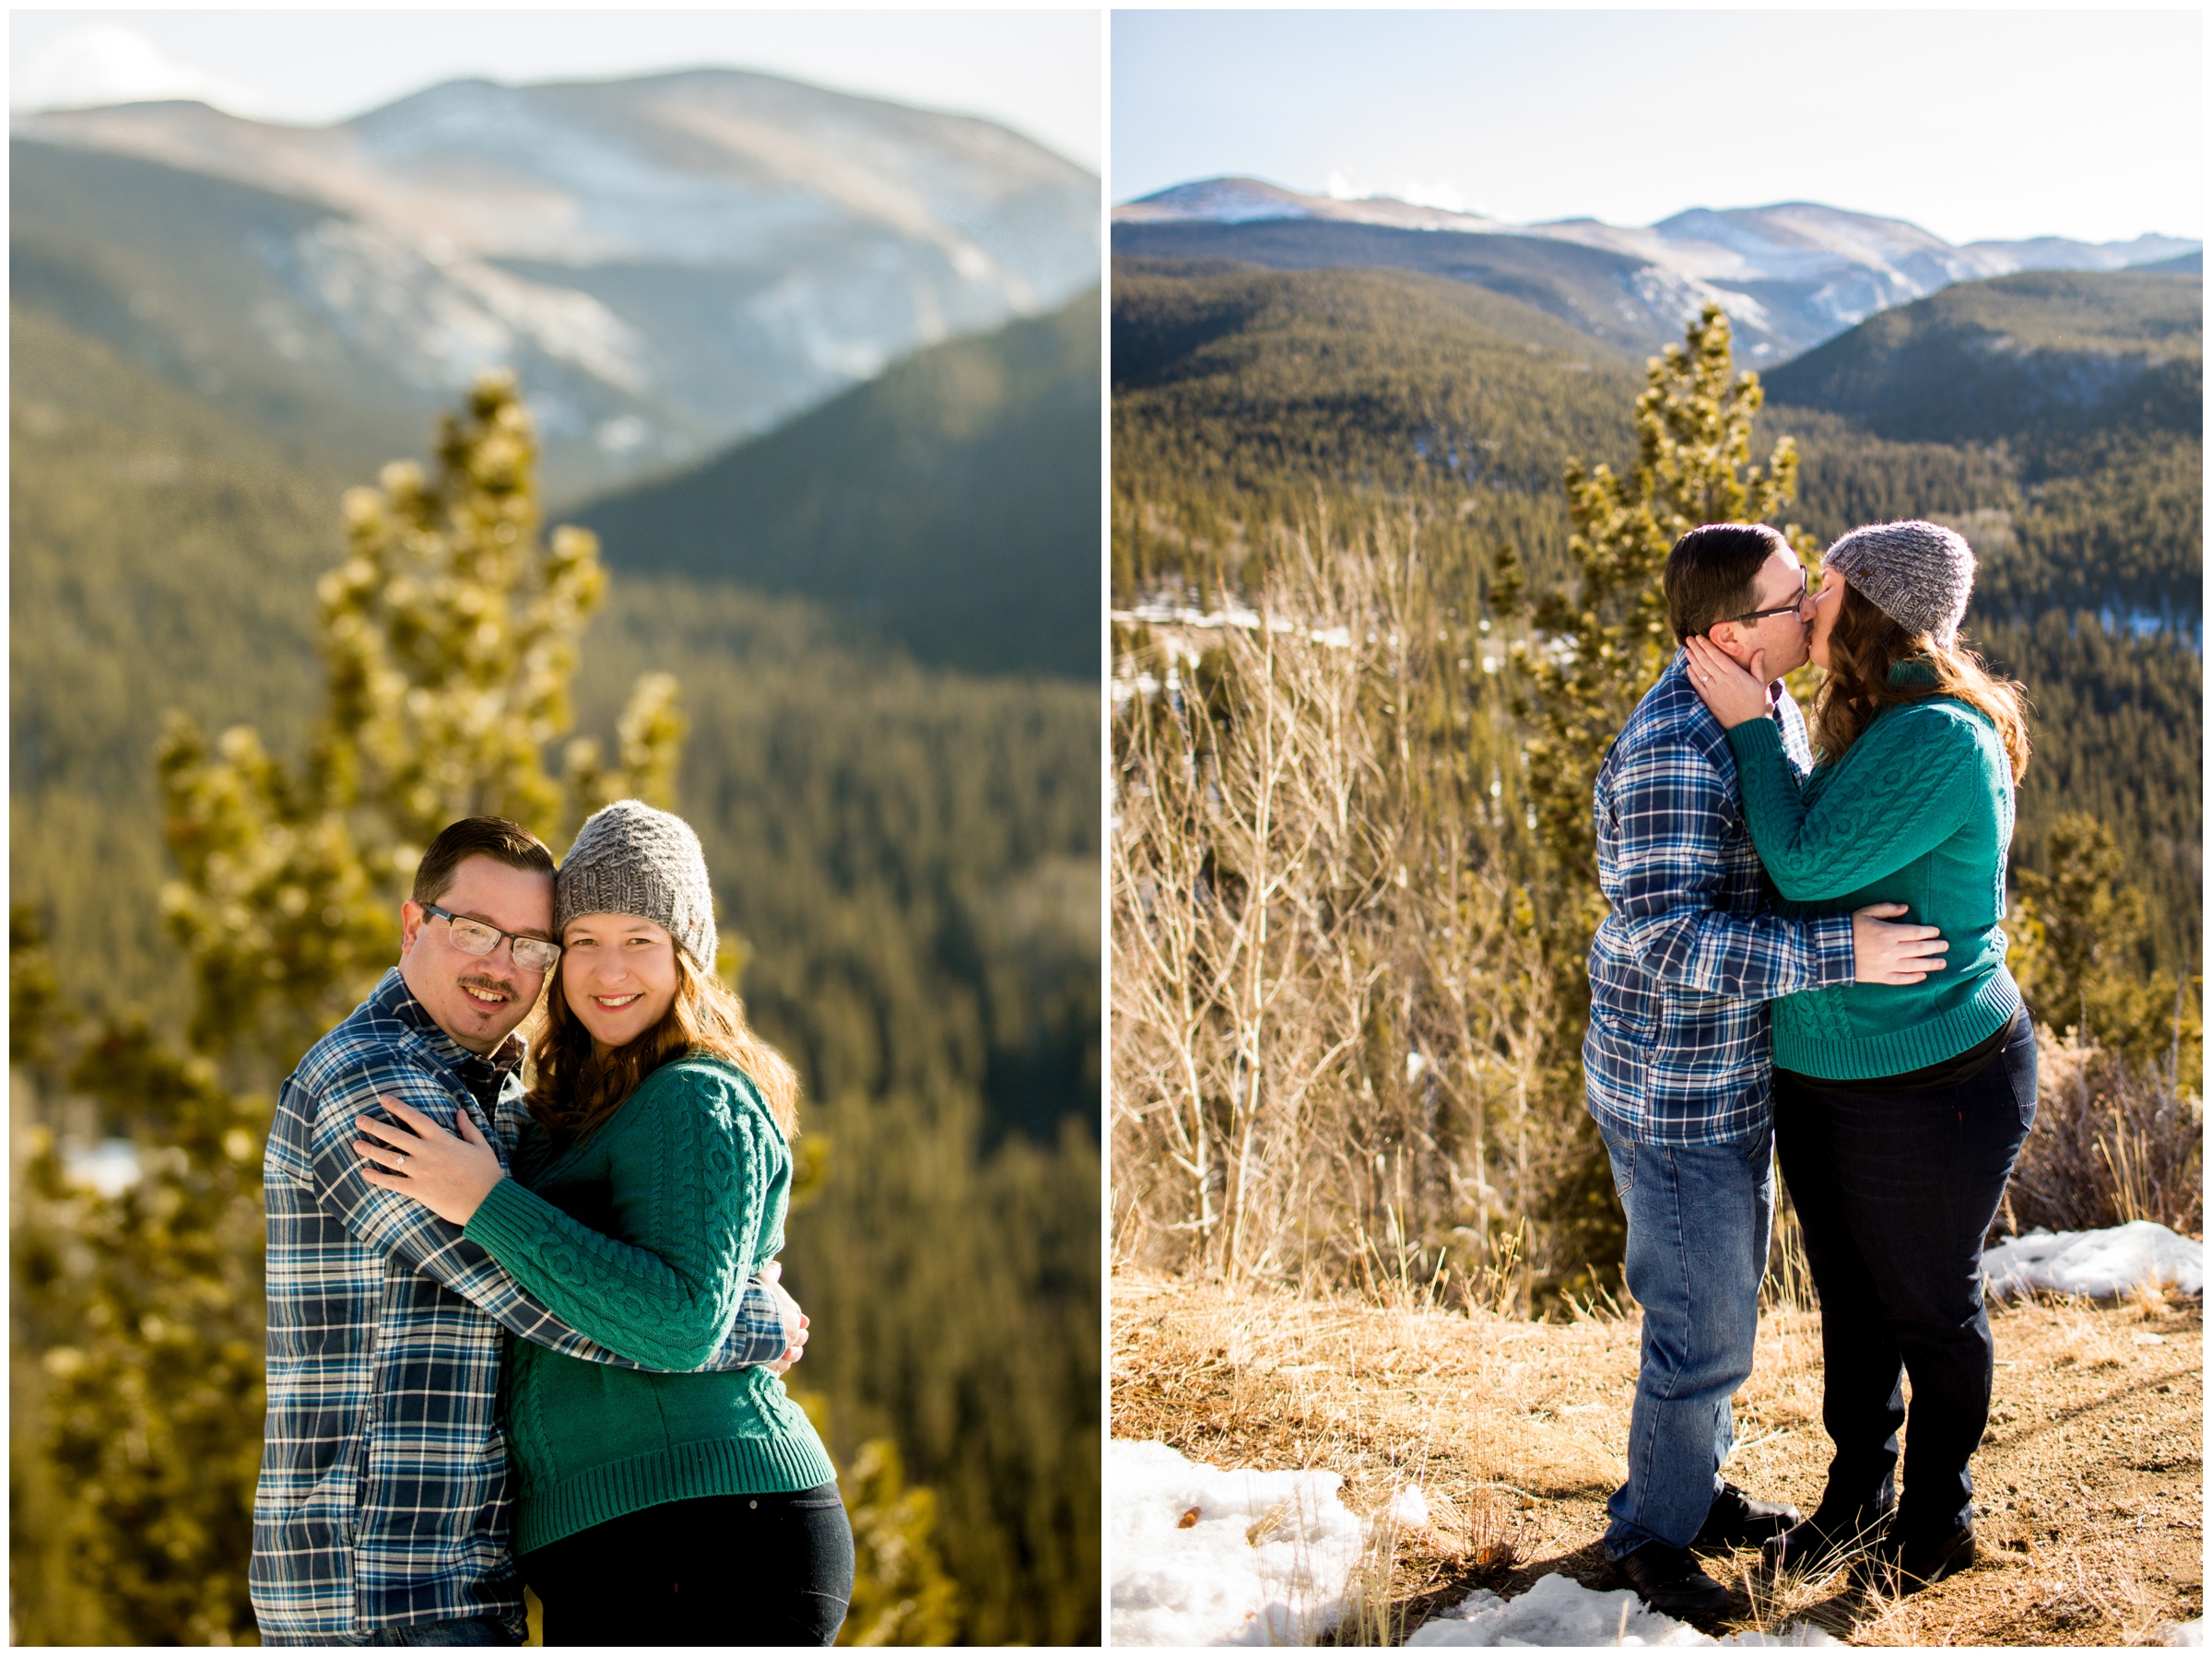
467,1630
1895,1189
1700,1216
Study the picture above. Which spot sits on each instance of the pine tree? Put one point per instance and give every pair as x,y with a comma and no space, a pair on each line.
449,634
2080,952
1605,643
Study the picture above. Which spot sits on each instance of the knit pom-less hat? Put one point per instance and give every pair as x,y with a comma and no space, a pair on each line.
630,859
1919,575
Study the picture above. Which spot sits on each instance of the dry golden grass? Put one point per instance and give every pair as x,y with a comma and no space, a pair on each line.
2090,1481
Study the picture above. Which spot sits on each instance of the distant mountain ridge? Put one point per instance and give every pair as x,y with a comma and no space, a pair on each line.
951,503
674,261
1790,276
2036,355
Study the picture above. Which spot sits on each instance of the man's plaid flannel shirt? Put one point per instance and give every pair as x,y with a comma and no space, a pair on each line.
1682,968
384,1494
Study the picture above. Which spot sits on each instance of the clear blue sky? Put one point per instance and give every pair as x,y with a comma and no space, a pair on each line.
1038,72
1984,124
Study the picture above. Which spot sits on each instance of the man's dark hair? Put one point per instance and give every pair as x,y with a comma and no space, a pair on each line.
1713,575
493,836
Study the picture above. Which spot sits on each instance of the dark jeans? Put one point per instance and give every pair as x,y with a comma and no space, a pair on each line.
1895,1190
1699,1217
728,1569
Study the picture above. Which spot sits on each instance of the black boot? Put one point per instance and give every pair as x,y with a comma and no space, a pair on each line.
1903,1565
1668,1577
1823,1541
1737,1520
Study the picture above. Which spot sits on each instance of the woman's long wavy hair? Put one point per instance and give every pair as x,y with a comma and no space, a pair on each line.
1865,643
572,1092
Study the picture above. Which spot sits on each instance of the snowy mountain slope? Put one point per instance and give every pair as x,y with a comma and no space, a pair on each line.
675,262
1790,275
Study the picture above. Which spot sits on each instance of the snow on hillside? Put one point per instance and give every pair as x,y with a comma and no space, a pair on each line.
671,262
1841,267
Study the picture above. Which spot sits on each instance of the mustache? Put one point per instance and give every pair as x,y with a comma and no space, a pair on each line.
491,985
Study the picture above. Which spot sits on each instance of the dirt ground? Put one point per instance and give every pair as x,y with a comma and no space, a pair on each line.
2089,1484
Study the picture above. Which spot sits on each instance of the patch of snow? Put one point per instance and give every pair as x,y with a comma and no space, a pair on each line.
1203,1556
1559,1611
1409,1508
2095,1263
2183,1633
440,316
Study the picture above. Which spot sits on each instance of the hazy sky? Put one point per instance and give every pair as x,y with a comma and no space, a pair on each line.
1984,124
1038,72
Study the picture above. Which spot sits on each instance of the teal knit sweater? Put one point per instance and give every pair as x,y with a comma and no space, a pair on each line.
1919,812
652,1226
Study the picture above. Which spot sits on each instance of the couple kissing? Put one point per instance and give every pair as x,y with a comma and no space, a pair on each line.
1803,963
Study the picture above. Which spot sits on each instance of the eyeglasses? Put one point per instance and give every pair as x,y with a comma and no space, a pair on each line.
1794,607
473,937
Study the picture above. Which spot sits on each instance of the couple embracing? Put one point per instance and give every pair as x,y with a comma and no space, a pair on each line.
1804,963
535,1333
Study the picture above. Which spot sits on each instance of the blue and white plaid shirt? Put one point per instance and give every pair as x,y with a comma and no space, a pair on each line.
1682,968
384,1498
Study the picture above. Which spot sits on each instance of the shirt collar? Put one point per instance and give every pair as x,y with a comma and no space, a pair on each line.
1679,669
393,998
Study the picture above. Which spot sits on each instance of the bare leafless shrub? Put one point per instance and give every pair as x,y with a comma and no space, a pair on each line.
1328,996
2112,1143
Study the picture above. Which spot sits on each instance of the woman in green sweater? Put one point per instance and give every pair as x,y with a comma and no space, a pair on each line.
1899,1110
651,1507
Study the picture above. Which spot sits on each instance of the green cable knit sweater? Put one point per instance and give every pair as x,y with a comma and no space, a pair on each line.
655,1223
1919,812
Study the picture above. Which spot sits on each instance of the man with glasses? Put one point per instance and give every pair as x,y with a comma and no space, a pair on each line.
382,1514
1677,1063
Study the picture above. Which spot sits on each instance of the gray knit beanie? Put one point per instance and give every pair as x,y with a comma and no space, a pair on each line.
1918,574
630,859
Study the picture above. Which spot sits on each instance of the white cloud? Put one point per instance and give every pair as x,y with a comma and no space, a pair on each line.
110,62
1341,187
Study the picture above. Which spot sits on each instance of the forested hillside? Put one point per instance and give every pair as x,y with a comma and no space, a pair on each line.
1243,397
907,855
1239,391
2070,407
949,504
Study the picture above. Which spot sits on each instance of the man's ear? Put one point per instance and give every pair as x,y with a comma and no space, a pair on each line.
1728,637
411,922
